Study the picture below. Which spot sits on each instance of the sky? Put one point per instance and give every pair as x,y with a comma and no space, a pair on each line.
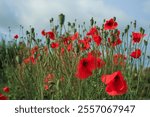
37,13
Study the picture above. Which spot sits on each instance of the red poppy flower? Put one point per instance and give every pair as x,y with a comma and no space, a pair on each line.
93,31
62,51
84,44
83,69
51,35
69,47
43,32
97,39
6,89
118,59
27,60
34,50
86,66
54,45
46,87
16,37
115,42
137,36
48,78
100,63
75,36
136,54
110,24
115,83
31,59
2,97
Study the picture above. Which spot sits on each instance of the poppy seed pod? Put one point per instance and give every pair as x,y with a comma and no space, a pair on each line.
61,19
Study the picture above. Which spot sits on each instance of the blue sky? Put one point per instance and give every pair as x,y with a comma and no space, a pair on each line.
38,12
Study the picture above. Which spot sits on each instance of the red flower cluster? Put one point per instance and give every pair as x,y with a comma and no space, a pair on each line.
115,83
34,50
96,37
115,39
34,56
47,80
136,38
31,59
118,59
84,44
110,24
87,65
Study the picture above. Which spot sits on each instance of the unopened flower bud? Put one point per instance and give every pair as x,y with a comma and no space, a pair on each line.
32,30
92,21
114,18
145,42
134,24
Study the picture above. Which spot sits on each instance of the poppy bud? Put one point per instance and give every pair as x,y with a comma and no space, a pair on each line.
75,30
134,24
32,30
114,18
142,30
27,32
145,42
126,30
61,19
73,24
51,20
69,24
92,21
128,27
104,20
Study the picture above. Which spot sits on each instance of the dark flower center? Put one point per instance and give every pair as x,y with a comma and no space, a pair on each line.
110,23
85,63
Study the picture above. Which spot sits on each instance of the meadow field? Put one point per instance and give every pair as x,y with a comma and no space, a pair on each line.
76,62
